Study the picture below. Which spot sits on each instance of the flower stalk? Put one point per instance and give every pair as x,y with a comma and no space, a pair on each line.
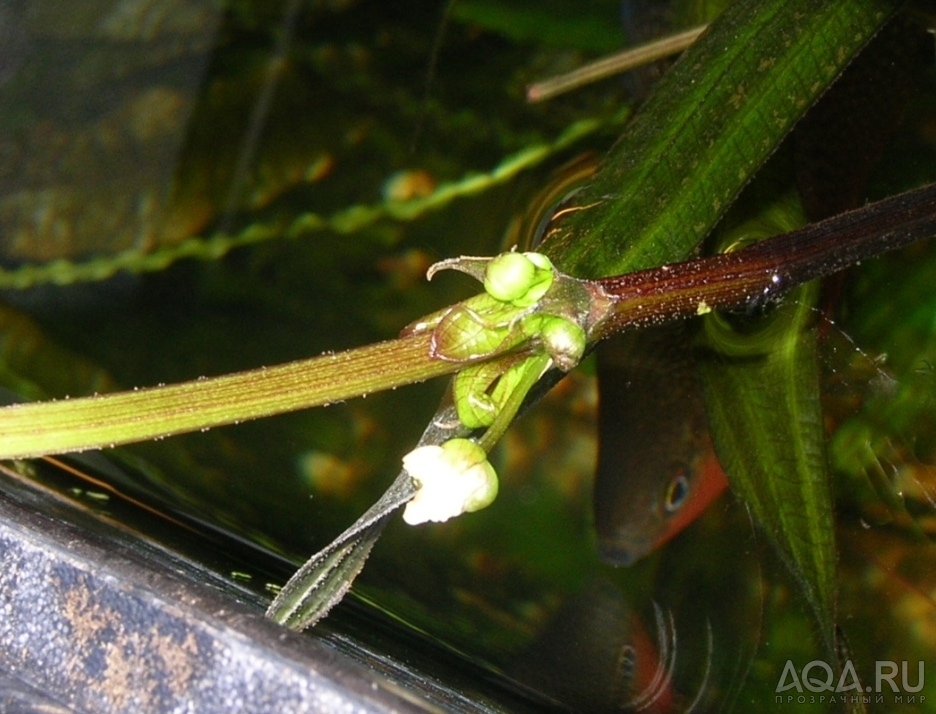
762,272
36,429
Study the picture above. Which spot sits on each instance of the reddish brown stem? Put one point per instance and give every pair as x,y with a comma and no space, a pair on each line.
765,271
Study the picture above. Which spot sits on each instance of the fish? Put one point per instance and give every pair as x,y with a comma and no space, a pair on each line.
657,468
597,654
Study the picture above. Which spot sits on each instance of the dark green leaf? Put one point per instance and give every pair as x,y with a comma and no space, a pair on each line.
711,123
765,412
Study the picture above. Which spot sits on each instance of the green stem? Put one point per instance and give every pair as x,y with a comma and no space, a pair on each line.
534,369
765,270
108,420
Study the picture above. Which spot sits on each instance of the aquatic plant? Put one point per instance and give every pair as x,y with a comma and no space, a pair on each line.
712,123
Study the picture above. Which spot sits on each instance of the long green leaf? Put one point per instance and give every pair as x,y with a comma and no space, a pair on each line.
762,395
766,411
711,123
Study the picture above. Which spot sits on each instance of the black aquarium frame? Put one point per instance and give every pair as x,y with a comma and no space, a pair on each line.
98,617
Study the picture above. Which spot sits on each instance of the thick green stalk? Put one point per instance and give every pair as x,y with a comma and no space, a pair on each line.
107,420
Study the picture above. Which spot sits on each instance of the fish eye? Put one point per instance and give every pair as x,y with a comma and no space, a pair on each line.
676,493
626,663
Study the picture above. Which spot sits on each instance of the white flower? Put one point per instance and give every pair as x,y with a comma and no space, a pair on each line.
452,479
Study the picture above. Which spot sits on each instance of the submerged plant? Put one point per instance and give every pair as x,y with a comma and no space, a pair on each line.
616,260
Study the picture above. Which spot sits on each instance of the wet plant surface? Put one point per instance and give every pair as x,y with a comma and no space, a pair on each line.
197,188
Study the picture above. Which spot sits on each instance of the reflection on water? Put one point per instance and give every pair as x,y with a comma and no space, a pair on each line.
123,125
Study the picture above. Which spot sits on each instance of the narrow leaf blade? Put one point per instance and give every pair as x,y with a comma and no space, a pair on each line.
710,124
766,418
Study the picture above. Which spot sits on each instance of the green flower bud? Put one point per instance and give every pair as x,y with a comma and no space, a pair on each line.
520,279
541,261
563,340
508,276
